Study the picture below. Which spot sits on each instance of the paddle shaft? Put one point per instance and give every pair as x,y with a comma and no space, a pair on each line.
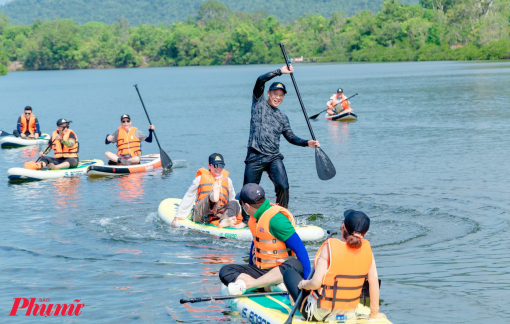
143,105
315,116
203,299
300,296
297,91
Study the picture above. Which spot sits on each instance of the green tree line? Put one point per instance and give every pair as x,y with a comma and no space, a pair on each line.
453,30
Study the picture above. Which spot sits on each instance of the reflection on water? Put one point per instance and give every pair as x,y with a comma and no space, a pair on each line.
131,186
66,192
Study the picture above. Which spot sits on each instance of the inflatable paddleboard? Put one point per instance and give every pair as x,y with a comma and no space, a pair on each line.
147,162
168,207
13,141
275,309
349,116
27,174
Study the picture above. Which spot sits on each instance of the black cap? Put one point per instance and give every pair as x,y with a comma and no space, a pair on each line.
339,90
62,121
124,116
278,85
356,221
251,193
216,158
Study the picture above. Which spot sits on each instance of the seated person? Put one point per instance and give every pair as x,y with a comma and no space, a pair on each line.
64,143
128,142
341,266
338,103
28,125
275,248
212,197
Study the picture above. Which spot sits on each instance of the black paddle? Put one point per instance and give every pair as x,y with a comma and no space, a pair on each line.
203,299
315,116
325,169
4,133
300,297
166,162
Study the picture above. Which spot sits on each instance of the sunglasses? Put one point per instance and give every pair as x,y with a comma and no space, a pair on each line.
221,166
28,114
126,121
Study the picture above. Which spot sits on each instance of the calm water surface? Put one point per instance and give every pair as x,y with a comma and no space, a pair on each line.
427,160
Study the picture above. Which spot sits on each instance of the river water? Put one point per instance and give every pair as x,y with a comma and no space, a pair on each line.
427,160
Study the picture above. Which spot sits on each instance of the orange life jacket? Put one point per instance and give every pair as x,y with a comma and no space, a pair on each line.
62,151
128,143
269,251
206,182
347,269
30,125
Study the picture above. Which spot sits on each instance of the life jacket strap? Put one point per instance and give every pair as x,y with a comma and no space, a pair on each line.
272,252
282,260
265,241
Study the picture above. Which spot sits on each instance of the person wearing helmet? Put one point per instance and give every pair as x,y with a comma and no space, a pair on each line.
128,141
64,143
338,103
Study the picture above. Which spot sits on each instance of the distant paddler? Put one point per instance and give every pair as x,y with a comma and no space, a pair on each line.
338,103
64,143
128,141
28,125
267,124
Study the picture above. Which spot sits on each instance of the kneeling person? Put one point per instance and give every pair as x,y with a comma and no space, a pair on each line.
64,143
128,141
274,249
212,197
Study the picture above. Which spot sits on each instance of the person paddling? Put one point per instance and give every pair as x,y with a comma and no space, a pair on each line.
212,197
28,125
64,143
274,248
266,125
128,141
338,103
341,266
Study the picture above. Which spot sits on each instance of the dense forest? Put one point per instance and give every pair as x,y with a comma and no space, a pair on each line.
156,12
433,30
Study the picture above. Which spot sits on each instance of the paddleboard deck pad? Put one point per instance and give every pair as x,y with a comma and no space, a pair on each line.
13,141
168,207
27,174
349,116
147,163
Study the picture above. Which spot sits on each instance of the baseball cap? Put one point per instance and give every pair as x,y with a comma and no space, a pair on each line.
356,221
251,193
62,121
216,158
278,85
339,90
125,116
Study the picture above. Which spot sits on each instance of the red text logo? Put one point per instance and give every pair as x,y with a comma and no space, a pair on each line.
45,309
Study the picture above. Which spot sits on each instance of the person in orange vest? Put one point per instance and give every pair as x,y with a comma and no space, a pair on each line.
28,125
341,266
64,143
212,197
338,103
275,248
128,141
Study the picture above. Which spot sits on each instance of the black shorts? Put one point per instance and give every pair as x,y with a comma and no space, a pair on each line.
229,273
73,162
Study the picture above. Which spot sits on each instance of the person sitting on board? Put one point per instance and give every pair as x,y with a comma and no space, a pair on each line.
28,125
341,266
338,103
212,197
128,141
64,143
274,248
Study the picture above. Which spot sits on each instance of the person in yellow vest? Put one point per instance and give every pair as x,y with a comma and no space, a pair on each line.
341,266
212,197
128,141
338,103
64,143
275,248
28,125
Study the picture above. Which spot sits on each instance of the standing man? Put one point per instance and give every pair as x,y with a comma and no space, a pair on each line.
128,141
338,103
28,125
266,125
64,143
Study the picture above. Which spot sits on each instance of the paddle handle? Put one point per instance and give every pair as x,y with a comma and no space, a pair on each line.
203,299
297,91
143,105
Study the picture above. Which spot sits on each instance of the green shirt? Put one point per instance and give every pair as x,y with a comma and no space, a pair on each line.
279,226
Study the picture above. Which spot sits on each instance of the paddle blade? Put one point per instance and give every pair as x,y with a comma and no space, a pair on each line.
325,169
4,133
30,165
166,162
315,116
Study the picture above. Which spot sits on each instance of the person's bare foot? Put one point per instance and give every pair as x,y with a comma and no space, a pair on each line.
51,166
216,189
